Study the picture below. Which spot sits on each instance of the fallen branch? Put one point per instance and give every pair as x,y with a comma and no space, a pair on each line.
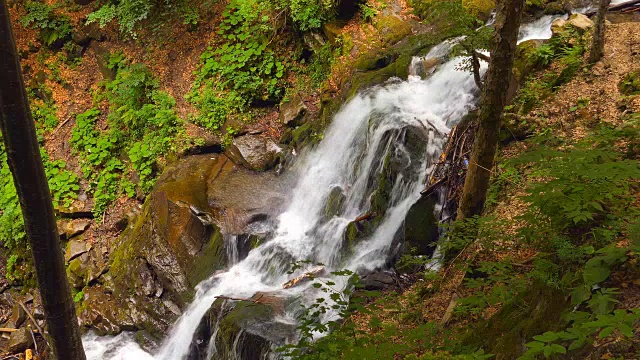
255,301
449,312
627,6
364,217
432,187
33,319
9,330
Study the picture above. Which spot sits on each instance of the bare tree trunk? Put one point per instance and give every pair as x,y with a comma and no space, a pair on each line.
23,156
475,64
597,46
492,102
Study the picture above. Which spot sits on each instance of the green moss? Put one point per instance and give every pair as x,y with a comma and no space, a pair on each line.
210,259
531,313
334,202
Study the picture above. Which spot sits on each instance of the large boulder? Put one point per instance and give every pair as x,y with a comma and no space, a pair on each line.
180,238
578,21
254,151
246,330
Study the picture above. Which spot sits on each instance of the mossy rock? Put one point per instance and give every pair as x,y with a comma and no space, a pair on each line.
532,312
246,330
420,229
524,61
176,242
335,202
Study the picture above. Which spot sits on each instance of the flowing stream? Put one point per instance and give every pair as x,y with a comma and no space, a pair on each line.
375,125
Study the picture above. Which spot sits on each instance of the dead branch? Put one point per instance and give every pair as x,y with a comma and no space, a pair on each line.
255,301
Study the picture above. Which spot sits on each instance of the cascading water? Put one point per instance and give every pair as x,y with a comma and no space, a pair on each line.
371,129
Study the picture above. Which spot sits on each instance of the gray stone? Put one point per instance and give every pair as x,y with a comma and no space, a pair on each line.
258,152
75,248
19,341
17,318
71,228
292,112
379,280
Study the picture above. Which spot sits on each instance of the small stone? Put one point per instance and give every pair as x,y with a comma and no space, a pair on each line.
292,112
19,341
75,248
580,21
18,316
71,228
260,153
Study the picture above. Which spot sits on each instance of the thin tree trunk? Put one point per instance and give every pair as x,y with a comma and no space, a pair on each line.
475,64
23,156
492,102
597,46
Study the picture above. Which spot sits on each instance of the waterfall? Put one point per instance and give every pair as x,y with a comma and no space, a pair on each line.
371,127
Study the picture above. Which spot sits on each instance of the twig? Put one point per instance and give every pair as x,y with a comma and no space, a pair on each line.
8,330
58,127
35,343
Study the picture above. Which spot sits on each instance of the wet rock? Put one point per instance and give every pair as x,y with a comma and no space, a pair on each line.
257,152
335,202
554,8
19,341
69,229
380,280
75,248
426,67
178,240
420,229
292,112
246,329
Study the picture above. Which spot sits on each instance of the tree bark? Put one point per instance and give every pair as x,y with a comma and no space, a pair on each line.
23,156
597,45
492,102
475,64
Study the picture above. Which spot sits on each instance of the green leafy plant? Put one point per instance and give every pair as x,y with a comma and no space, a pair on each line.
367,12
54,29
630,84
78,297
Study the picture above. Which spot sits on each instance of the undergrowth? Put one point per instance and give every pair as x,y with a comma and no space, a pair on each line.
142,125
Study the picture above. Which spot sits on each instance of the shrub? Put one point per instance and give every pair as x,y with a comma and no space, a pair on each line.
54,29
630,84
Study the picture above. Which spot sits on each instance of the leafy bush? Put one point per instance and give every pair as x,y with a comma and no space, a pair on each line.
448,15
44,115
54,29
630,84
